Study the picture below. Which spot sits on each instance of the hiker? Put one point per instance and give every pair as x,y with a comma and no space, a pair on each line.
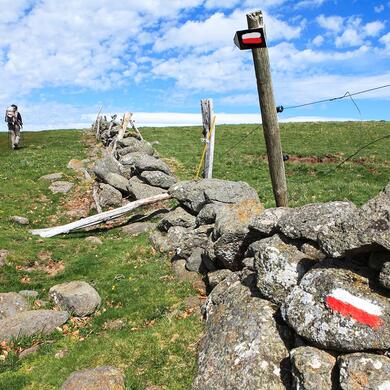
15,123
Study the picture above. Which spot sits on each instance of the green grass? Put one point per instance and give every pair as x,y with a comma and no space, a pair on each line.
156,346
356,180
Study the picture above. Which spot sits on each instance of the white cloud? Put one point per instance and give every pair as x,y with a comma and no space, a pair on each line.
374,28
379,8
218,30
385,40
318,40
309,3
331,23
350,37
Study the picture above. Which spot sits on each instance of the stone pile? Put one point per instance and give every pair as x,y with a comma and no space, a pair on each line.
298,297
75,298
133,172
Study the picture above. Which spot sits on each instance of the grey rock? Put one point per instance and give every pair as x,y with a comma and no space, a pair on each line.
195,261
231,232
77,165
29,293
280,266
249,262
216,277
312,249
94,240
109,196
365,230
52,177
19,220
195,194
312,369
364,371
77,297
207,215
185,240
32,322
266,222
106,165
61,187
3,256
11,304
244,347
307,221
137,228
158,179
143,162
160,242
131,145
28,351
182,274
117,181
139,190
314,309
99,378
384,275
177,217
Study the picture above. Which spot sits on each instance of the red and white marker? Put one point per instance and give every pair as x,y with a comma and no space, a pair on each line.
359,309
252,38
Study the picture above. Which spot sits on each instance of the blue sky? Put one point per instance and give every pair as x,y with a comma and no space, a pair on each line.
59,61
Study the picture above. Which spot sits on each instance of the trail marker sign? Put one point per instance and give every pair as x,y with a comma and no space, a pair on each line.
250,39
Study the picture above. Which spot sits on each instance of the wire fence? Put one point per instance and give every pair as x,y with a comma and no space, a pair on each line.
233,149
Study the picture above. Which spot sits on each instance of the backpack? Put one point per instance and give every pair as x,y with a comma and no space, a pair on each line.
10,115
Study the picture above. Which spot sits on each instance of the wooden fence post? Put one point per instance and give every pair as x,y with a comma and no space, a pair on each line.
269,116
209,135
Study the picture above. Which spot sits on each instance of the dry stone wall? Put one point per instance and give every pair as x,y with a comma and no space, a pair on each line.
298,298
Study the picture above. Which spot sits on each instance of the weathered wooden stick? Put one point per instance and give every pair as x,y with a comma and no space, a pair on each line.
96,197
98,218
97,123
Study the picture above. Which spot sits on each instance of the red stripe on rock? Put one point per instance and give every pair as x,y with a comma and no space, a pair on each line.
348,310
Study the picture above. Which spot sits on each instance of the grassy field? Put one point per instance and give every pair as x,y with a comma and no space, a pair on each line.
157,345
306,143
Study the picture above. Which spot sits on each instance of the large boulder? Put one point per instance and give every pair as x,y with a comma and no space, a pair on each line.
307,221
139,190
266,222
195,194
280,266
130,145
99,378
360,371
77,297
335,308
231,233
243,347
158,179
61,187
177,217
31,322
364,230
117,181
312,369
106,165
143,162
11,304
109,196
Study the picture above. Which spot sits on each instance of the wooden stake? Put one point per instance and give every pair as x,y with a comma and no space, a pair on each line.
97,123
98,218
269,117
209,136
